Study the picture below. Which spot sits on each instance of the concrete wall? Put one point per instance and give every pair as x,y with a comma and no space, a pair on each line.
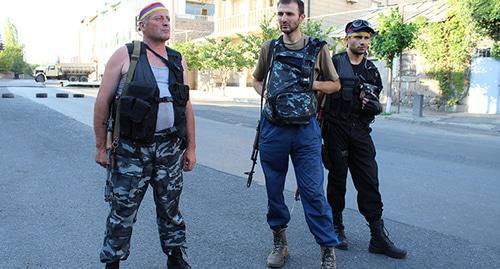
192,27
484,91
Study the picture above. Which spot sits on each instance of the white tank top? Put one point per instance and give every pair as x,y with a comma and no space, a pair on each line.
165,118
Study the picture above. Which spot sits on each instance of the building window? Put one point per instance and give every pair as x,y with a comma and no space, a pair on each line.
194,8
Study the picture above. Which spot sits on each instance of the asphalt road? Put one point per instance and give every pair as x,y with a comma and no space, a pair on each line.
440,191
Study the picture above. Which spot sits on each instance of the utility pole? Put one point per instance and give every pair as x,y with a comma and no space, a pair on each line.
308,8
400,62
172,24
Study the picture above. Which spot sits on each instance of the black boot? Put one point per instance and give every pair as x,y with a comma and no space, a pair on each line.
113,265
380,242
339,230
176,259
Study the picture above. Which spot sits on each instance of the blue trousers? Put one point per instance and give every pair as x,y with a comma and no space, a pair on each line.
303,144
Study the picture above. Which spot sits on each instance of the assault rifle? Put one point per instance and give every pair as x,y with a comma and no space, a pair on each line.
108,189
253,157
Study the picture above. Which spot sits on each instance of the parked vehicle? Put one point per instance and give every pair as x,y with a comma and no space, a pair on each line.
64,71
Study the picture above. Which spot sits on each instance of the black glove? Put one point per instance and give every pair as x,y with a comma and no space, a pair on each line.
373,106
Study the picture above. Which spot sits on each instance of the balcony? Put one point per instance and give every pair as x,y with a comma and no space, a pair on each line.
242,23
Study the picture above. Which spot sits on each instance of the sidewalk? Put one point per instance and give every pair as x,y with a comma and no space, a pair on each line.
486,123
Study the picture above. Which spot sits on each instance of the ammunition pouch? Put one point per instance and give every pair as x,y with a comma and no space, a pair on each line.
180,94
293,107
339,104
138,112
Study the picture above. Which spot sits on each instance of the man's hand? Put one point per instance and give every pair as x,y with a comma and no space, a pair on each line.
370,103
189,160
101,157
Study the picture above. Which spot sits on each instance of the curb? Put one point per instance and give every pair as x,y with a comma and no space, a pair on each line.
436,122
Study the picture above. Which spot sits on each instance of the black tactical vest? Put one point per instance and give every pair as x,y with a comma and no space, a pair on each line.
139,108
290,98
340,105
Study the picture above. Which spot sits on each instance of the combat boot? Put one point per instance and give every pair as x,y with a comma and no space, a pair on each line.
338,226
278,255
113,265
380,242
328,259
177,260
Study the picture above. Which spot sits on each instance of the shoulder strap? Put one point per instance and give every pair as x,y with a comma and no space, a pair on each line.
270,60
343,64
134,58
170,63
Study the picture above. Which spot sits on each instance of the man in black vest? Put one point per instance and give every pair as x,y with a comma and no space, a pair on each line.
348,141
287,76
153,140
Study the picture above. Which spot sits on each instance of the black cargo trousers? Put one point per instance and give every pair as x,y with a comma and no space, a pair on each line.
350,146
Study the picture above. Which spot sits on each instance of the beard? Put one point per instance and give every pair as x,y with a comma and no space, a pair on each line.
291,29
358,51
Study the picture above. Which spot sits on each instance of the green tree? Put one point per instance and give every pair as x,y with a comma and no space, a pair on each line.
12,57
191,53
252,43
223,57
392,38
485,14
447,46
314,28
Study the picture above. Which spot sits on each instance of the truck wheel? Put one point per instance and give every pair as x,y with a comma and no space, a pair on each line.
40,78
84,79
73,78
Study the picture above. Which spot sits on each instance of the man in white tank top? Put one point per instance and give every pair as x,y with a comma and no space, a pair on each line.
160,164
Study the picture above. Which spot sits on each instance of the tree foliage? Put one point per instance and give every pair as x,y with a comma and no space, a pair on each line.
313,28
252,43
447,46
190,52
485,14
12,57
393,37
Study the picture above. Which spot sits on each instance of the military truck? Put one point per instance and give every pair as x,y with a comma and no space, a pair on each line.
64,71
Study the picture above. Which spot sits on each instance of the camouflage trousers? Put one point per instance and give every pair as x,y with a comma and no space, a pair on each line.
158,164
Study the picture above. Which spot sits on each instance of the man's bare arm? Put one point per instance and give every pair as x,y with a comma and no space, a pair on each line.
257,85
327,86
190,155
110,80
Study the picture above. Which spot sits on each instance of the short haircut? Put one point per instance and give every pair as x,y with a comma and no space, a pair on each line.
300,3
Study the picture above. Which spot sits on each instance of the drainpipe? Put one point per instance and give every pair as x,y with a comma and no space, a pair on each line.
308,8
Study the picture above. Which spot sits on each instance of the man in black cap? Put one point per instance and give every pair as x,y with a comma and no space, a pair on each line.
348,142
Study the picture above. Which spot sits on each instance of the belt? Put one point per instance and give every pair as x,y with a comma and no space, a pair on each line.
166,133
165,99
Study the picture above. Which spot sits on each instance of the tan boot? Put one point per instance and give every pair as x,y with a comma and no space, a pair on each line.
278,255
328,259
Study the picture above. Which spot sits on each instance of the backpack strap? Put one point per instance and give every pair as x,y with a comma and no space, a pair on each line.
134,58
